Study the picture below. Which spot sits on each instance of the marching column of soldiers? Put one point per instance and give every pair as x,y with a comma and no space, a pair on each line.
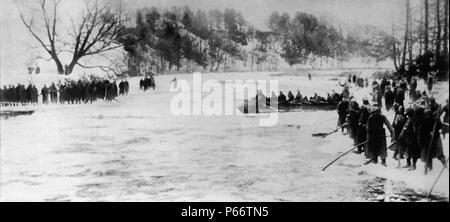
70,92
414,131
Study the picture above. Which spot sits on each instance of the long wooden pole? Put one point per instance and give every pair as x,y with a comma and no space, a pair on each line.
433,134
436,180
334,131
343,155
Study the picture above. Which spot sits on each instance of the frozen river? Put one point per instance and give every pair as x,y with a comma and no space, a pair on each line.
134,149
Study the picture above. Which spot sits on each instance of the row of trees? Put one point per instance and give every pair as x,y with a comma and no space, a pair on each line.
180,38
421,45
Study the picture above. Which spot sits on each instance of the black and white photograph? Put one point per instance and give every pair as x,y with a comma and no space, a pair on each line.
251,101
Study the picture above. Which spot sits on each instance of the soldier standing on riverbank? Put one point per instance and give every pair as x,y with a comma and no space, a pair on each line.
44,93
408,137
376,136
342,110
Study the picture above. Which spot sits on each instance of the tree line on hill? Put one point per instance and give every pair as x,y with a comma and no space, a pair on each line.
182,39
185,40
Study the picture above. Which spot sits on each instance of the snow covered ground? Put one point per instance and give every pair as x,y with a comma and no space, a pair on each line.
136,150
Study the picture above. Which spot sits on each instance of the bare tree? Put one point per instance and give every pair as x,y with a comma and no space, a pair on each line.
394,49
96,32
405,41
411,40
438,28
445,38
426,26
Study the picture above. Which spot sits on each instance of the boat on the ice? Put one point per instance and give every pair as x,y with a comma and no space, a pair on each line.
249,106
12,111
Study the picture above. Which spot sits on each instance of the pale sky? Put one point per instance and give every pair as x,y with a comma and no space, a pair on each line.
15,41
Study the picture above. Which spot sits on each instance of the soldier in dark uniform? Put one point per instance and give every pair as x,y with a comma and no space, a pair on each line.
361,135
121,88
408,137
383,85
21,94
53,93
400,97
379,97
93,91
342,110
298,97
127,87
87,93
147,83
352,120
29,92
425,131
34,94
115,90
152,82
376,136
44,93
291,97
79,91
346,92
398,124
389,98
63,93
13,95
282,98
336,97
141,84
109,92
404,85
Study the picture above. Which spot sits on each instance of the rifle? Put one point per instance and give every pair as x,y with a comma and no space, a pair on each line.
438,111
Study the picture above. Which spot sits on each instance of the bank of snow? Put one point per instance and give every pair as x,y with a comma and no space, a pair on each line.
416,180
